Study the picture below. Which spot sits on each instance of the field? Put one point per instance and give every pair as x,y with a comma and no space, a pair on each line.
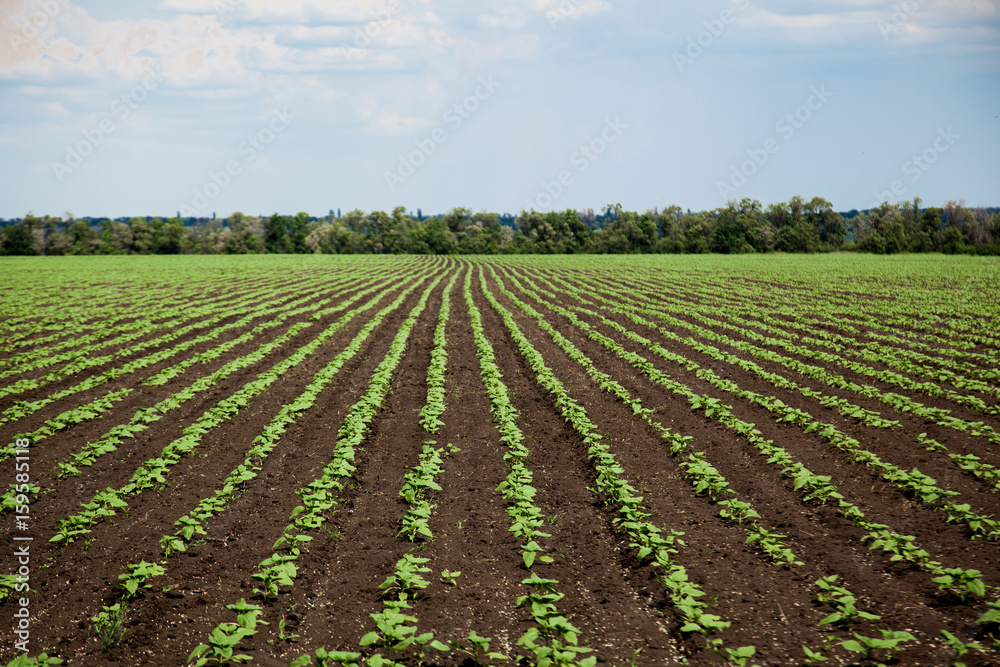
326,460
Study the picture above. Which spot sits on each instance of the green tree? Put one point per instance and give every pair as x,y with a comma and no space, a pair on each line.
55,242
828,225
276,238
143,236
881,230
432,236
334,238
18,241
397,228
920,228
115,239
205,237
82,238
698,232
169,236
670,230
355,221
298,230
738,227
952,241
244,235
629,232
483,235
457,219
36,230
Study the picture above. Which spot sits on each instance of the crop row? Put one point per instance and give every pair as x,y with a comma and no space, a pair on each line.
920,485
966,584
616,491
622,303
279,570
553,640
121,336
155,471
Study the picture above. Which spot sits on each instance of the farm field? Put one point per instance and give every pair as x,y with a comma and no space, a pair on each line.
656,460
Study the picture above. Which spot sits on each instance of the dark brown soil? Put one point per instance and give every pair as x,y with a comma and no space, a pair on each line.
621,610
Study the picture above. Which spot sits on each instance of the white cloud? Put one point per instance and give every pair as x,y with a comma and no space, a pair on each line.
813,28
477,54
30,35
570,9
505,18
56,110
193,50
297,11
197,47
959,38
394,123
946,22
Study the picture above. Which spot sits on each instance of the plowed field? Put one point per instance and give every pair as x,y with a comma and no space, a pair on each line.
567,461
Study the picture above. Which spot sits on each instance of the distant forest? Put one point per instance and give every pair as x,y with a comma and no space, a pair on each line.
797,226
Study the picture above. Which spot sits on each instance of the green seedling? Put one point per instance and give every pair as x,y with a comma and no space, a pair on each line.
137,576
222,643
324,658
109,625
221,647
961,583
869,646
281,633
813,657
529,553
740,656
43,660
961,648
8,584
479,648
407,577
843,601
278,570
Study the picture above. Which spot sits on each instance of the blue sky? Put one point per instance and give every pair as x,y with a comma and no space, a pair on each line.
148,107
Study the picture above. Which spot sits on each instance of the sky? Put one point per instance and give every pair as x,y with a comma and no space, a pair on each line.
153,107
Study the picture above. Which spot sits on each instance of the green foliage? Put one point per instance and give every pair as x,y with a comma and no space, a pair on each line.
137,576
324,658
42,660
109,625
844,603
798,225
478,649
700,336
406,578
883,647
226,637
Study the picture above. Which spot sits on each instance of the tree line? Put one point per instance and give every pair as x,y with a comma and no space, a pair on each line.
797,226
